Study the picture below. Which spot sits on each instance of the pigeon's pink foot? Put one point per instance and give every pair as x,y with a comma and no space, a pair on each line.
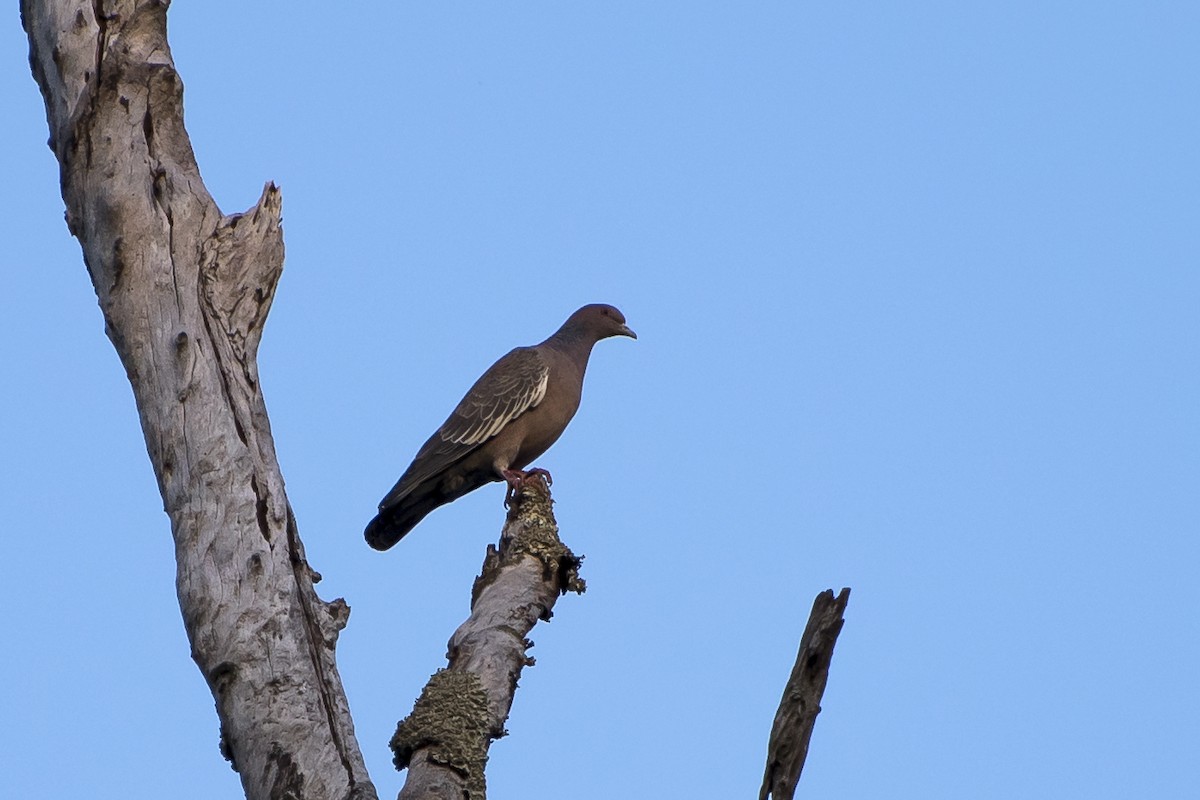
515,479
541,473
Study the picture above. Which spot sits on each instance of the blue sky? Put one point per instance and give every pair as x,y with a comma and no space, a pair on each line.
917,291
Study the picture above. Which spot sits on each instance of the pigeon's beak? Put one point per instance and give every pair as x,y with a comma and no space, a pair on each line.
625,330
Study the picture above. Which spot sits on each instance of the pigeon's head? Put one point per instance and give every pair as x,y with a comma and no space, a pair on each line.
601,322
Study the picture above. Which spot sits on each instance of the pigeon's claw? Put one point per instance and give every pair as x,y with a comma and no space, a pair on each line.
541,473
516,478
513,478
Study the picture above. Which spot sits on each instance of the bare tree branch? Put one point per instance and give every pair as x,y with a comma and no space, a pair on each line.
185,291
801,701
444,742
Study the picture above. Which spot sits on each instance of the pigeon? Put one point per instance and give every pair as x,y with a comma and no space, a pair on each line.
512,415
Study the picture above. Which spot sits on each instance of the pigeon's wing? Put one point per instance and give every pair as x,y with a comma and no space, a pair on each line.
510,387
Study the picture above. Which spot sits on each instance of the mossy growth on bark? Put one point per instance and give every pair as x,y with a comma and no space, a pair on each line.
450,722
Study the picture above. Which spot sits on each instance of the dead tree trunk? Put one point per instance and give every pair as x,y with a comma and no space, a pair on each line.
185,291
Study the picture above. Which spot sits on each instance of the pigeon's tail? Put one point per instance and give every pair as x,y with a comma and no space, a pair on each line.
394,521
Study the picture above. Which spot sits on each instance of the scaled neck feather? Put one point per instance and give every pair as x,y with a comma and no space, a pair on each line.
574,341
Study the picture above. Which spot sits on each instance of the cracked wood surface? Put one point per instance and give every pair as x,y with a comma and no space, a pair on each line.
185,291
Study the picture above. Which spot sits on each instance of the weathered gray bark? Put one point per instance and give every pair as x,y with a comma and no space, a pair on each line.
462,709
185,291
801,703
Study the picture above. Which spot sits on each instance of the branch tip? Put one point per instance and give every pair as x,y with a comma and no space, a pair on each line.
801,702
